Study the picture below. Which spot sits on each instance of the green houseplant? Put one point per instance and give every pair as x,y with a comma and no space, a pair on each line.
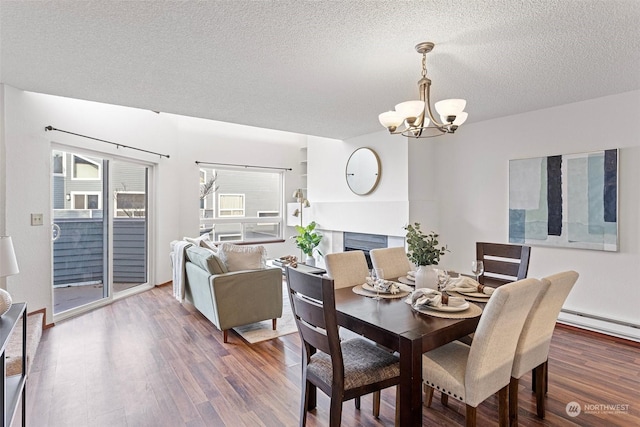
424,252
423,248
308,240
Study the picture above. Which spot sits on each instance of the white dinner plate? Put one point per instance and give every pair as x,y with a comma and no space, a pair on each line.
406,281
474,294
427,308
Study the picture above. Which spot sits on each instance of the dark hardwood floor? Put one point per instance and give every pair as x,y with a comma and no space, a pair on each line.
149,361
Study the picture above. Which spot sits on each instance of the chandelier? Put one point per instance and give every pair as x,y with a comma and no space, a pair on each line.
417,117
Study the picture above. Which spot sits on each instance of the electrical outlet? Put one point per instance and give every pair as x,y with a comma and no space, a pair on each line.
36,219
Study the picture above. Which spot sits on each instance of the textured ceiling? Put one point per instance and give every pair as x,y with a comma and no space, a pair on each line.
325,68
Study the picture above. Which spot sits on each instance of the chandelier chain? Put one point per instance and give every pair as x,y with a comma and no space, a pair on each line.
424,65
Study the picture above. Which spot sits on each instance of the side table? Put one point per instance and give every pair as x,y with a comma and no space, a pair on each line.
301,267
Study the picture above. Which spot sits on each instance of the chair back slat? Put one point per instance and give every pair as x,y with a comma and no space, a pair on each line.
314,310
503,263
501,267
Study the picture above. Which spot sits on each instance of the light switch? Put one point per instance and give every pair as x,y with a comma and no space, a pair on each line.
36,219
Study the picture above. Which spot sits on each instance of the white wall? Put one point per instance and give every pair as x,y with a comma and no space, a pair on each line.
27,163
335,207
472,178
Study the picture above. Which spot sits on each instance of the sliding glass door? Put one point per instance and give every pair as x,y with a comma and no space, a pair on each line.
100,228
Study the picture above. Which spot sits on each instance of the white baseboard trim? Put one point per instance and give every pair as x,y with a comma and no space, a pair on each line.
597,324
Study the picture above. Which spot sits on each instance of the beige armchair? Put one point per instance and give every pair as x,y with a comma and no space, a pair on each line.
230,299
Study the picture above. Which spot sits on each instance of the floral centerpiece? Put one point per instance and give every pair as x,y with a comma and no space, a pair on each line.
424,250
308,240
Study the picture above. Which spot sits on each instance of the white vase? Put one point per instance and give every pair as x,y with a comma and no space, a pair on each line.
426,277
310,261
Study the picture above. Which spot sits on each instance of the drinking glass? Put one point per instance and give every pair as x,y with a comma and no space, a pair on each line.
379,279
477,268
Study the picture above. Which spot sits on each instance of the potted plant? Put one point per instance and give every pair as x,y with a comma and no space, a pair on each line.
424,252
307,241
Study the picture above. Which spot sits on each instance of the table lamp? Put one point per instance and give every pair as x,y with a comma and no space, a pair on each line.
8,267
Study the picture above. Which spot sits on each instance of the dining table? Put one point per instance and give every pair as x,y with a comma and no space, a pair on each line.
394,324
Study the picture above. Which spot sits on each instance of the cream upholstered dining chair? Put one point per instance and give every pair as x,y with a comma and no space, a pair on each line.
473,373
532,351
348,269
343,370
393,261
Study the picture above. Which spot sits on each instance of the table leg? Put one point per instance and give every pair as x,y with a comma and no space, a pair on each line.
410,383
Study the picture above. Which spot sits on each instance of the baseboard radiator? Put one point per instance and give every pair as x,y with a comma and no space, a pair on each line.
631,335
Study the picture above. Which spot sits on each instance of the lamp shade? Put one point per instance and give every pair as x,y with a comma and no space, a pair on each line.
410,108
460,119
390,119
450,107
8,262
298,194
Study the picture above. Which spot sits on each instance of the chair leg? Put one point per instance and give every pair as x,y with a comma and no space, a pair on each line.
356,401
225,336
397,421
470,417
335,410
546,378
428,391
513,402
304,401
539,374
444,399
376,404
274,322
503,410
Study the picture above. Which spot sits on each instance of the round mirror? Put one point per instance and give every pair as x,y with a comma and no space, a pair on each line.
363,171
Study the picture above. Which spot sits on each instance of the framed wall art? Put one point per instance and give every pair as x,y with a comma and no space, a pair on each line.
568,200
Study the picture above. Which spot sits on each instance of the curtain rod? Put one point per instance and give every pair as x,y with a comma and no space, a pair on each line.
48,128
242,166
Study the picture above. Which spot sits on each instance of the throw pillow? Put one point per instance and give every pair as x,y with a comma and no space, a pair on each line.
208,244
196,240
240,257
206,260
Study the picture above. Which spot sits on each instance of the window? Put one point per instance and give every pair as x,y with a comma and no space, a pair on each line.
84,168
88,200
242,205
130,204
230,205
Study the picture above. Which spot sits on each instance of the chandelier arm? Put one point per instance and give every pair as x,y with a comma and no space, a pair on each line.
425,95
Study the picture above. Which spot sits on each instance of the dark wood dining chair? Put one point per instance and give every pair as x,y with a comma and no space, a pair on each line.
503,263
343,370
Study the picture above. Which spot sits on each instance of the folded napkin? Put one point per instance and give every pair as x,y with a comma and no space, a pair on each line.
425,297
385,286
467,284
411,275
